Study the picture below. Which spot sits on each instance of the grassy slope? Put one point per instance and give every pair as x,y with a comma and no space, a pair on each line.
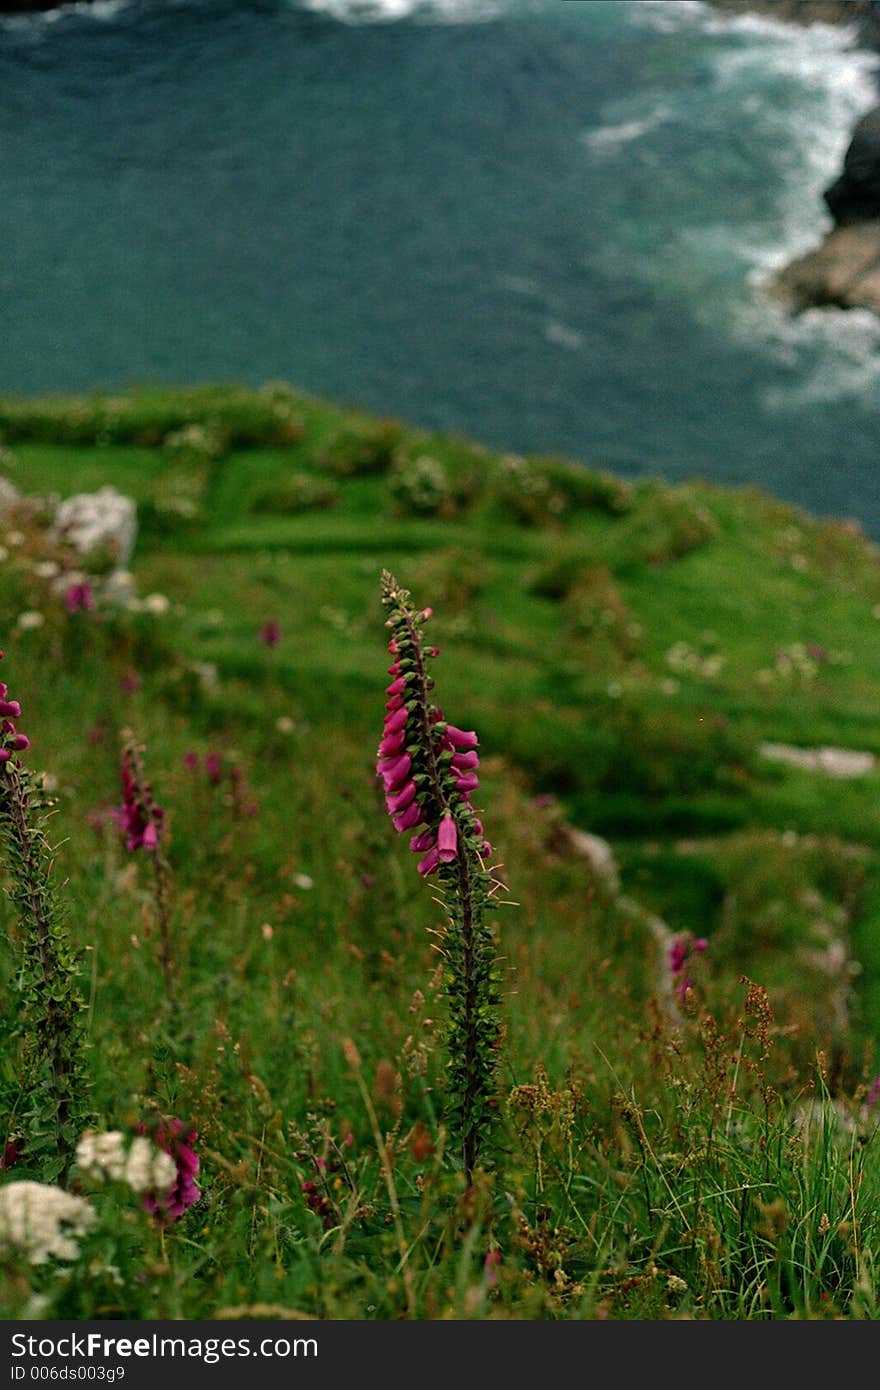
625,651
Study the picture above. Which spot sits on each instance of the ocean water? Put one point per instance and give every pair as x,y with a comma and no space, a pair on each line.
547,224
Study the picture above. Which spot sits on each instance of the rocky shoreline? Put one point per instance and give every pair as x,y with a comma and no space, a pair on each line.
844,269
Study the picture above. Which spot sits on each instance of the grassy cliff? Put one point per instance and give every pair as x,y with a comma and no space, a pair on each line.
630,653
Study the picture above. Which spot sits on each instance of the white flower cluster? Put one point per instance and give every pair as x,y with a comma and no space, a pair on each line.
38,1221
90,520
140,1164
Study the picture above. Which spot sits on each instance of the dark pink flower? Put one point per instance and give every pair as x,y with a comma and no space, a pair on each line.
78,598
191,761
177,1140
139,818
491,1266
213,767
398,801
461,738
130,682
682,949
12,1152
396,721
426,840
408,819
270,633
11,741
447,840
428,768
678,953
394,771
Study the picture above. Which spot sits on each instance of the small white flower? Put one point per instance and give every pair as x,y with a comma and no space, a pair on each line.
157,604
149,1169
284,724
39,1221
143,1166
303,881
100,1156
46,569
30,619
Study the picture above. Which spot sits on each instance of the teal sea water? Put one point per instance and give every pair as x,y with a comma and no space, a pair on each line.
543,223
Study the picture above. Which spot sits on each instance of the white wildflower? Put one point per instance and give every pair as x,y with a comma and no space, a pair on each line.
91,520
149,1169
100,1156
143,1166
39,1221
157,604
304,881
30,619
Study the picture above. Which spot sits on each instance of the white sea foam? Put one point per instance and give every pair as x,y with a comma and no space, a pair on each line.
830,354
389,11
36,22
848,364
667,16
839,85
562,335
611,137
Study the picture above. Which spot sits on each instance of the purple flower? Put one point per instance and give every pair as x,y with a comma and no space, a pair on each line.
213,768
139,818
130,682
11,741
177,1140
78,598
682,949
447,840
270,633
427,767
12,1152
678,954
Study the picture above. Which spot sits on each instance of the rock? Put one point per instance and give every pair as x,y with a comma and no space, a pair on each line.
855,196
865,13
843,271
102,520
834,762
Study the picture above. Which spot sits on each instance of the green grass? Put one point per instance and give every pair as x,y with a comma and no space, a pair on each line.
623,650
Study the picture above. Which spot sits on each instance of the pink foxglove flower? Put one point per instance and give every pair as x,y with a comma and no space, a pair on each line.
682,949
11,741
427,766
428,772
176,1139
139,818
78,598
